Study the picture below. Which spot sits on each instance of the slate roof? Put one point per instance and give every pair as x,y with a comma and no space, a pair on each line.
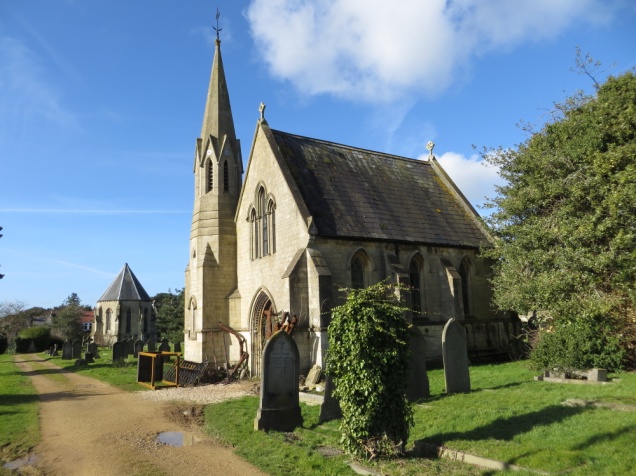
357,193
125,287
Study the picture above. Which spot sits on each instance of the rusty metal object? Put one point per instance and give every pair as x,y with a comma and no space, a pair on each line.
243,353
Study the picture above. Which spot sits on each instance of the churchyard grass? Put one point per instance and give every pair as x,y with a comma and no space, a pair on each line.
19,403
507,417
122,374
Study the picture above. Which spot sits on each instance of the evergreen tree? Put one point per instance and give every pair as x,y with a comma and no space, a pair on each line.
566,223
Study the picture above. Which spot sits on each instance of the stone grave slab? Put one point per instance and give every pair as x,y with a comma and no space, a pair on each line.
455,355
152,345
138,347
119,351
330,407
418,385
67,351
279,407
77,349
313,377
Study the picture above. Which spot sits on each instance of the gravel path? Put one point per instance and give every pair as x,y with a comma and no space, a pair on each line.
89,427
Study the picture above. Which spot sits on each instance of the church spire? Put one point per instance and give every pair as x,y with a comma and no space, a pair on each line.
217,119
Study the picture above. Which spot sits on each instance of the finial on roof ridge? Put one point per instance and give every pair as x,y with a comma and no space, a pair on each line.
217,29
430,145
261,109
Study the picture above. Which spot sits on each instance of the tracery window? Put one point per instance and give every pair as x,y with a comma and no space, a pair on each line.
357,272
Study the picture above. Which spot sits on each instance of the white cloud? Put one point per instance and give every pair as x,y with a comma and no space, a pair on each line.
377,50
474,178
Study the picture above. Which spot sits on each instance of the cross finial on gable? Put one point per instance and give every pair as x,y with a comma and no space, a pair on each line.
261,108
217,29
430,145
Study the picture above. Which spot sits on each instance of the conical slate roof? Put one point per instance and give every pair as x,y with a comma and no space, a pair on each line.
125,287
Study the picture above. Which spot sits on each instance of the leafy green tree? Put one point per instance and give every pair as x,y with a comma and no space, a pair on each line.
66,319
170,314
14,317
566,223
368,361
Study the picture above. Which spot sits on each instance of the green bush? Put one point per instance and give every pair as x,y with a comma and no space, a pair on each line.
583,336
40,336
368,361
4,343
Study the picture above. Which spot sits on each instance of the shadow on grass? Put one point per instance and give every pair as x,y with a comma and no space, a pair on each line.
605,437
507,428
17,399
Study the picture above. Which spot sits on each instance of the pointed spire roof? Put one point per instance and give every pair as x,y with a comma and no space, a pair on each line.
125,287
217,119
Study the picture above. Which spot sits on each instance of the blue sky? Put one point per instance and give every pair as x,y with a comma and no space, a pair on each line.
101,102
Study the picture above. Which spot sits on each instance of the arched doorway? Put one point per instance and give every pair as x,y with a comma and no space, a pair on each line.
263,313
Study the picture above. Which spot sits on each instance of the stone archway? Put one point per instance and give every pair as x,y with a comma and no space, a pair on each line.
263,313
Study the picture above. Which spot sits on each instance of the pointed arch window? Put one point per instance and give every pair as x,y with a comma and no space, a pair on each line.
359,265
254,228
226,178
271,212
416,283
464,274
108,316
209,176
128,320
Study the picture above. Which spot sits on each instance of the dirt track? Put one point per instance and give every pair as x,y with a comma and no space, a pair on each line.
92,428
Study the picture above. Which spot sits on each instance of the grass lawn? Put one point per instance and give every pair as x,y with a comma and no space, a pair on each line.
122,375
508,417
19,403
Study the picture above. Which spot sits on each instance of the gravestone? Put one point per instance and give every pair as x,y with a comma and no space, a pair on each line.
138,347
32,347
67,351
88,358
152,345
313,377
455,354
165,347
418,386
279,407
53,351
77,349
330,407
177,346
93,349
130,347
119,351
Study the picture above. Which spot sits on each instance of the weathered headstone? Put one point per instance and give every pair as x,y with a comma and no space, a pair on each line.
165,346
93,349
455,354
67,351
32,347
88,358
53,351
418,386
130,347
279,407
177,346
77,349
313,377
138,347
152,345
330,407
119,351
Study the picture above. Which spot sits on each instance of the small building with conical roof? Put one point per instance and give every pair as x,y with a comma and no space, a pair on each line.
124,311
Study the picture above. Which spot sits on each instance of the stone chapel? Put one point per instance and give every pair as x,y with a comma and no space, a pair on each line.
124,311
309,217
